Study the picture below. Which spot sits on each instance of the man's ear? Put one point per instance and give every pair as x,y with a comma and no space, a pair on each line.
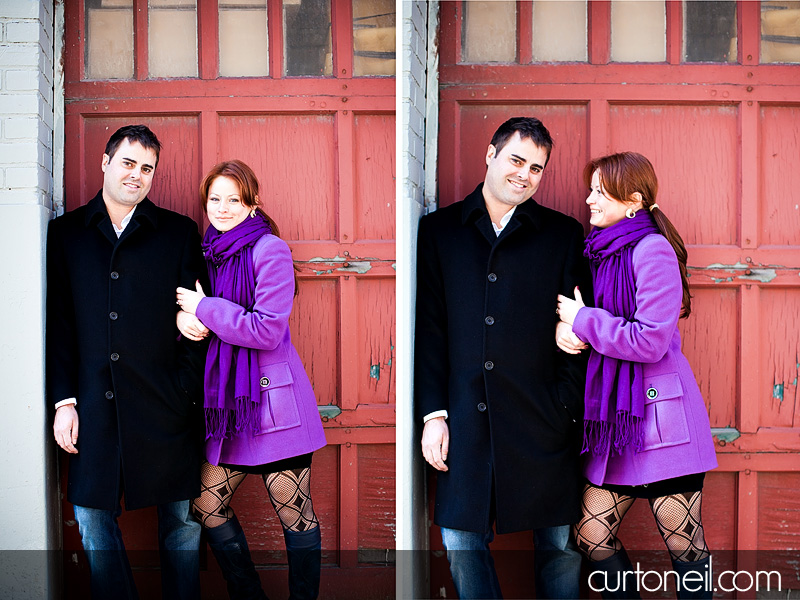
104,164
490,154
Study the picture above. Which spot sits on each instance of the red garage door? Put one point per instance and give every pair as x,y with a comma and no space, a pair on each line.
303,91
708,91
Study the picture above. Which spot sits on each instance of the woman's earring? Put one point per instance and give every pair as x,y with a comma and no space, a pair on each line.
630,213
253,213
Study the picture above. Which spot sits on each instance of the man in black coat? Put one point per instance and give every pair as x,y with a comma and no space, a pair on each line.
125,388
503,408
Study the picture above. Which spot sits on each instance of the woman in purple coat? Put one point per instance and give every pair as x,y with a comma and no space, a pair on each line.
646,429
260,410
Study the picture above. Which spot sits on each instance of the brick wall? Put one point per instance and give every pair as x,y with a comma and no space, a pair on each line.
29,507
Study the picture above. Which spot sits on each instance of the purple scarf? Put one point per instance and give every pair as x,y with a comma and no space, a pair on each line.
615,388
231,382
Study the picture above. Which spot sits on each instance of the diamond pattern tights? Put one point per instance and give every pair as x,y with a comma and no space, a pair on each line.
289,492
677,516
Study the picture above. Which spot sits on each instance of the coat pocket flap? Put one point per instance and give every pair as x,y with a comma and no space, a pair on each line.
275,375
661,387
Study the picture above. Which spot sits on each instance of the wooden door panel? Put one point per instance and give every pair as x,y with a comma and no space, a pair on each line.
293,156
779,208
375,176
314,324
697,168
780,364
710,343
376,524
175,185
375,323
561,187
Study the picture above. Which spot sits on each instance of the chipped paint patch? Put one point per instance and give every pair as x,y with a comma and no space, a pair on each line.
721,279
726,434
330,411
375,371
738,265
355,266
777,391
762,275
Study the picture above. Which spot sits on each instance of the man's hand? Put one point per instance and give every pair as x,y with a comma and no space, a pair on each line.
567,340
436,443
190,326
65,428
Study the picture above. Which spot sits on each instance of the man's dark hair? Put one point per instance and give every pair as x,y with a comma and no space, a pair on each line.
528,127
133,133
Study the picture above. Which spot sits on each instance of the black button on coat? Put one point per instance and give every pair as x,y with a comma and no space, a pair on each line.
526,443
139,387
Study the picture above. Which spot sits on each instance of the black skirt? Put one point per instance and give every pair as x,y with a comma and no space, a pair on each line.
666,487
287,464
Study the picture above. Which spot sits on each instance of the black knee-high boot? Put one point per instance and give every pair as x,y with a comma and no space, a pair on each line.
304,553
230,549
615,584
699,585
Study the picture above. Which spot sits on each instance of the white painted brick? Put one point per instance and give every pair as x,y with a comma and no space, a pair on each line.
2,178
17,153
20,8
23,31
2,32
31,196
13,104
20,127
15,56
22,177
19,81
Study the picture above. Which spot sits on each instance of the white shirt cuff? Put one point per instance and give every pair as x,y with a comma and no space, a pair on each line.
434,414
73,401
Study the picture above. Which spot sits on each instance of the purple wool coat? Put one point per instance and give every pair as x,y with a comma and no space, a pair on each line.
290,422
677,434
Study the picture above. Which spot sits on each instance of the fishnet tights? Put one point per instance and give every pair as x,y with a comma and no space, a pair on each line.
289,492
678,519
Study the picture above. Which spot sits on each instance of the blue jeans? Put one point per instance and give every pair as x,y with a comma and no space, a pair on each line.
178,543
557,563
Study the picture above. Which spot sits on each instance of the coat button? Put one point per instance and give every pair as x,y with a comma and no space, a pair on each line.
109,395
488,365
489,320
264,381
114,275
114,356
482,406
652,393
492,277
113,316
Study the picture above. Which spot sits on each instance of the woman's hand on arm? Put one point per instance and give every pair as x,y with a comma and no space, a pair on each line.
568,308
190,326
567,340
188,299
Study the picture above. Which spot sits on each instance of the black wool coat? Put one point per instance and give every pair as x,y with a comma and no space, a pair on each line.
112,343
485,351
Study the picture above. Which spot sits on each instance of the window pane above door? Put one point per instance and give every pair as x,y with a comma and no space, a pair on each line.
172,37
780,32
560,31
709,31
374,37
109,39
638,31
243,42
489,32
307,38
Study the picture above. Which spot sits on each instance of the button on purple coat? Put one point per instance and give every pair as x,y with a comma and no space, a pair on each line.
290,422
677,438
